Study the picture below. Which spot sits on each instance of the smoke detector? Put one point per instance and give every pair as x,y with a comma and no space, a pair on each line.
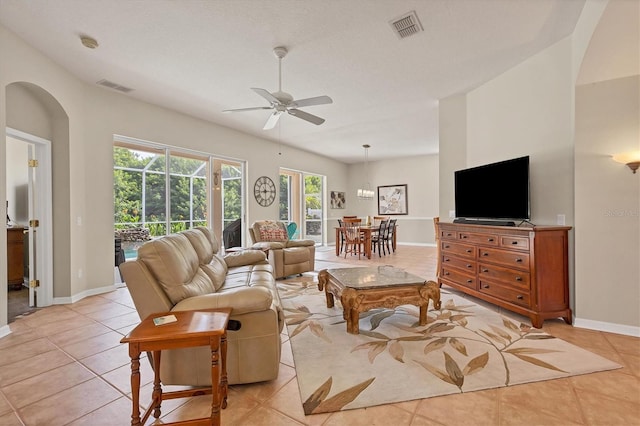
406,25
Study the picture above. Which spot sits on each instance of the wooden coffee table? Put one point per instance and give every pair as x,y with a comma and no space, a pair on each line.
362,289
191,328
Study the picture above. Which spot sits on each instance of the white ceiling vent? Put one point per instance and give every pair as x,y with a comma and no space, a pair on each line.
406,25
114,86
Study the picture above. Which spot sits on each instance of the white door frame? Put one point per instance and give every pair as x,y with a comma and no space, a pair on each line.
43,212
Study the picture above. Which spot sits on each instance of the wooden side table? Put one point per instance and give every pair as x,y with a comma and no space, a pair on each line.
191,328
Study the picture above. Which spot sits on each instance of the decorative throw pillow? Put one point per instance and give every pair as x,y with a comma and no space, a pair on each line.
273,234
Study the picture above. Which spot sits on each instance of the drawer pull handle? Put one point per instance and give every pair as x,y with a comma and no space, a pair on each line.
446,246
514,242
469,265
446,259
469,281
486,286
446,273
485,270
485,254
464,236
449,234
469,250
518,278
490,240
519,297
518,260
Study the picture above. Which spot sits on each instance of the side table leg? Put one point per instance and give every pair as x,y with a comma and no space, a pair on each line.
224,383
215,380
156,396
134,354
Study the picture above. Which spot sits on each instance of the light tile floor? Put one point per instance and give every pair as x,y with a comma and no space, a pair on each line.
64,365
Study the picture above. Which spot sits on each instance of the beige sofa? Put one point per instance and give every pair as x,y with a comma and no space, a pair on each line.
287,257
185,272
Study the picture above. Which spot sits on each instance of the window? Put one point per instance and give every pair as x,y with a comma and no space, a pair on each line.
190,194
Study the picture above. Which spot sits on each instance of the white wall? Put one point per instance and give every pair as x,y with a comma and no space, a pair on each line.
607,205
528,111
420,174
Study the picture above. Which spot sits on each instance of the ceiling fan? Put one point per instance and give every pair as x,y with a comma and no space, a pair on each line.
282,102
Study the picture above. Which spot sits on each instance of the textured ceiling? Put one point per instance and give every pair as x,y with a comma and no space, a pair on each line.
201,57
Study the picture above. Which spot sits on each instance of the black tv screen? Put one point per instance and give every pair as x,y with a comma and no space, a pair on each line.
494,191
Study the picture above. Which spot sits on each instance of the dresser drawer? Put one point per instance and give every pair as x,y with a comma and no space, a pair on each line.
485,239
511,295
445,234
458,277
508,258
465,264
518,243
458,249
511,277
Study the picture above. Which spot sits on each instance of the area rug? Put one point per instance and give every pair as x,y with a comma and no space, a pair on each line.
463,347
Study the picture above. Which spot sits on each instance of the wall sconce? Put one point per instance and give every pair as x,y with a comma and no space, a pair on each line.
216,180
631,159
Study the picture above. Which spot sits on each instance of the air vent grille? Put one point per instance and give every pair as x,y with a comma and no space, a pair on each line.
406,25
114,86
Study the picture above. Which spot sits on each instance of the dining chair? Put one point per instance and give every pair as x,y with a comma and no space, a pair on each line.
353,240
390,235
377,220
378,238
341,226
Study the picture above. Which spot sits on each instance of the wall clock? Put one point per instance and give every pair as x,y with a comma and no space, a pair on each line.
265,191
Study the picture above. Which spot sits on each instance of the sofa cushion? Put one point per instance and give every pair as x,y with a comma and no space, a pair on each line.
244,257
206,247
174,263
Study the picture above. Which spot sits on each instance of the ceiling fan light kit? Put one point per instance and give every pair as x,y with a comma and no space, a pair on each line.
282,102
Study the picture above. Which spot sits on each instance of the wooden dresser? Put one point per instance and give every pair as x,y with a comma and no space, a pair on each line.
15,257
524,270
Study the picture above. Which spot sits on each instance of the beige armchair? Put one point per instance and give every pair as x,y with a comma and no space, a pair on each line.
287,257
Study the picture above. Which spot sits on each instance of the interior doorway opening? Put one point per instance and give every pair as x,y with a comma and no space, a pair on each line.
29,222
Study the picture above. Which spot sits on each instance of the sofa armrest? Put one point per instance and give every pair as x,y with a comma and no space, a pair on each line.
244,257
300,243
268,245
242,300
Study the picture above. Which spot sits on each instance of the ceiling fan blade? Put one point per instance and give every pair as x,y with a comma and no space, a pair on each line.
265,94
272,121
306,116
246,109
318,100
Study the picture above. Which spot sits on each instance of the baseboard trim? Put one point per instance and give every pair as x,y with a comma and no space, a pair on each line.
609,327
5,330
92,292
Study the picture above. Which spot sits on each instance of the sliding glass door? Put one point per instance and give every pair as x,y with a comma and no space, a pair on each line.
301,201
197,190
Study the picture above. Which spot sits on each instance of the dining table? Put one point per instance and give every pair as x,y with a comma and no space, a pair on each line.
367,232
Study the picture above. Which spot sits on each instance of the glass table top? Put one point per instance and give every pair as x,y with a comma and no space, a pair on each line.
375,276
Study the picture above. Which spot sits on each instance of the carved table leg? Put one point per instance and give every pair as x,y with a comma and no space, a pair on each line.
134,354
224,383
215,381
156,396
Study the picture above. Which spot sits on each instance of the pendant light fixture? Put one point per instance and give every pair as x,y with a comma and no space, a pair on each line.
365,193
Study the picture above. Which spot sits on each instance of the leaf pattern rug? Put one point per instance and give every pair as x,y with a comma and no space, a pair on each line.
463,347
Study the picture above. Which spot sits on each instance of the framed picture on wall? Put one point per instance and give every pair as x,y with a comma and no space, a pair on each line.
338,200
392,199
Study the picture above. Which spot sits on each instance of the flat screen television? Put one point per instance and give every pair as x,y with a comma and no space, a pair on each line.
496,191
